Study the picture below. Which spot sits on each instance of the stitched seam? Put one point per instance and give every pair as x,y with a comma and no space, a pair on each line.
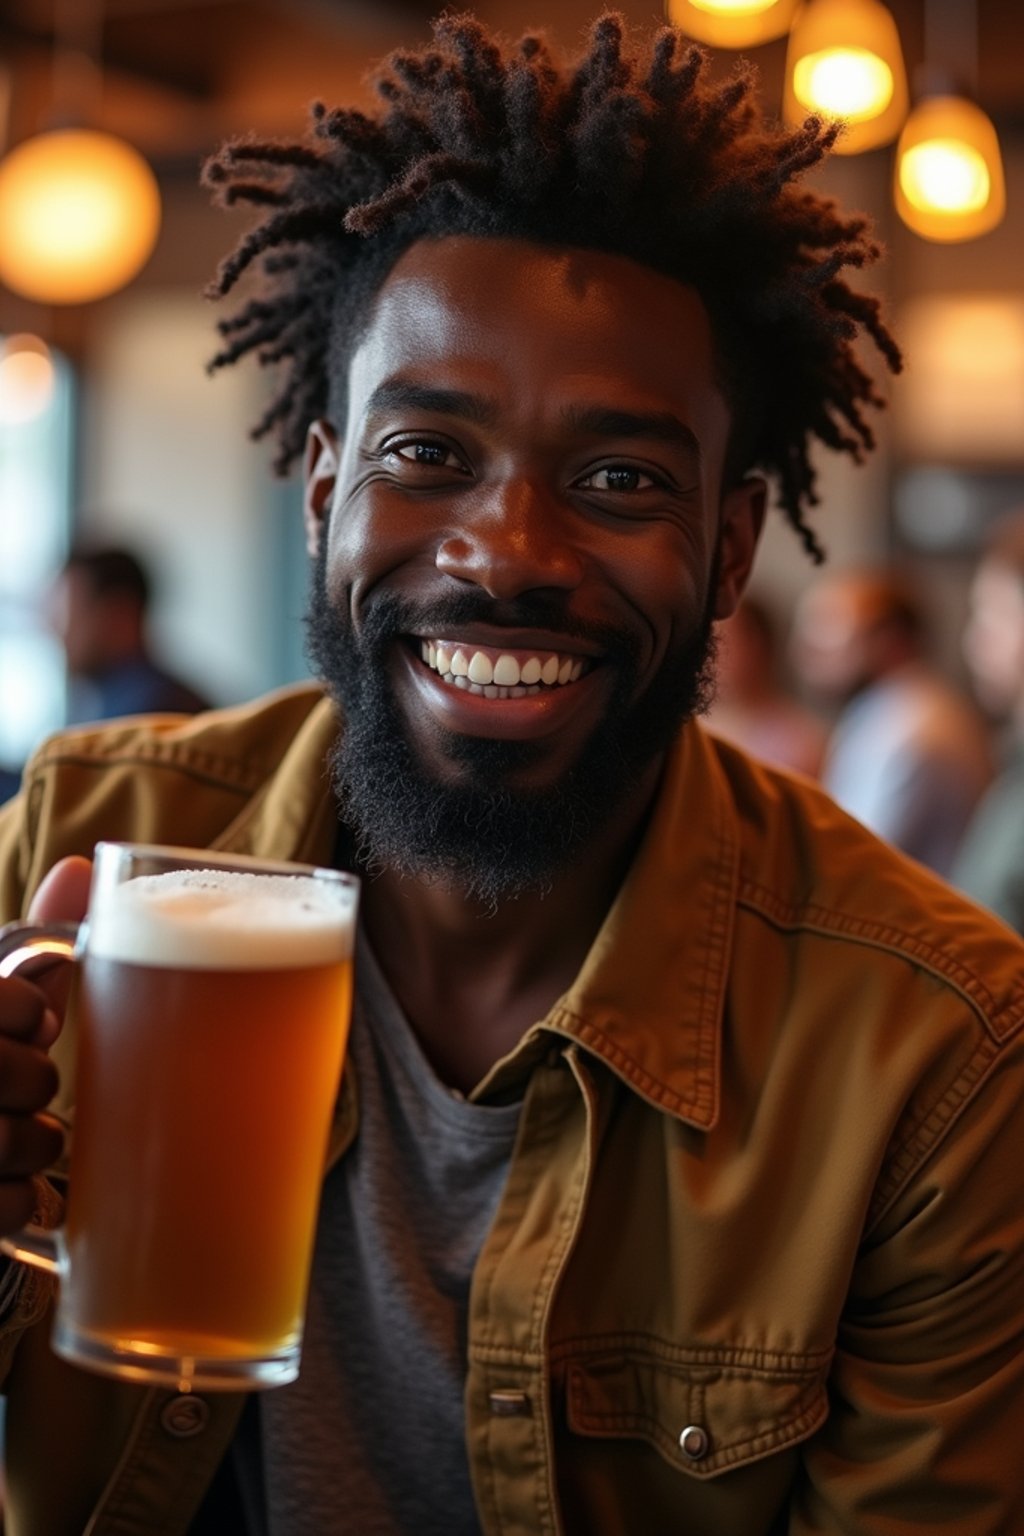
705,1077
728,1358
756,1444
220,773
111,1505
930,1130
998,1022
619,1060
556,1257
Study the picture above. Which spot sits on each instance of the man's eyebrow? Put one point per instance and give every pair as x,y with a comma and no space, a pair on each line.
397,394
607,421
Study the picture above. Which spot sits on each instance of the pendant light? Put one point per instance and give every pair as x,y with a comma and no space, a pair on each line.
844,60
79,209
948,181
732,23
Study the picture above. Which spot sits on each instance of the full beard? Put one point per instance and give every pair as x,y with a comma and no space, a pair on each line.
483,835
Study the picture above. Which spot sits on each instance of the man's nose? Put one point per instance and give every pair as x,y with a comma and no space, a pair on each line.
515,540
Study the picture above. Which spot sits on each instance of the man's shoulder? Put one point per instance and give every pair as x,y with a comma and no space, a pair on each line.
817,876
241,743
252,774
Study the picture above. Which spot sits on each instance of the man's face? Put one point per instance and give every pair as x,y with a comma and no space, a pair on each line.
521,542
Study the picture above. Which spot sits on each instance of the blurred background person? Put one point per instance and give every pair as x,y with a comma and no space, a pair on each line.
908,755
98,608
990,862
753,706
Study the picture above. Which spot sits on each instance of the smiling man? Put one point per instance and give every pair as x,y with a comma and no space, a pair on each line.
674,1180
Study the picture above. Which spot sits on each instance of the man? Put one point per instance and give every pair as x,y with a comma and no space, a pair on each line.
908,756
989,864
673,1185
99,609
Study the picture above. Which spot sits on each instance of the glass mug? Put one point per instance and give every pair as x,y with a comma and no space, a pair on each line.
211,999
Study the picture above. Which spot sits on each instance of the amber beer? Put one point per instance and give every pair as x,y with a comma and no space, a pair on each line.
212,1010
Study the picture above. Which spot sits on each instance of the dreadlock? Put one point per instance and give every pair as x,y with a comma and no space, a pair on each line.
639,154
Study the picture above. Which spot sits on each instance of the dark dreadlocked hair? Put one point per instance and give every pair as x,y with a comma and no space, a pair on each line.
637,154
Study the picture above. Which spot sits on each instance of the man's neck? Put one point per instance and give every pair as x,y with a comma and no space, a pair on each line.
472,979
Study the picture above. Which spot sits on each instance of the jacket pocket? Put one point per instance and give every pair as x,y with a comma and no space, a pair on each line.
705,1412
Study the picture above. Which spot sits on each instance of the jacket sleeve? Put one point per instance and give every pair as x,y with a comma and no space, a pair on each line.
927,1387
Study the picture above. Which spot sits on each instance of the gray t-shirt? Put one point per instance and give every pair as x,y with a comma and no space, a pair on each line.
370,1441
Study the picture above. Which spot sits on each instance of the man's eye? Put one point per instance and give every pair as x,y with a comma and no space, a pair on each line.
436,455
617,477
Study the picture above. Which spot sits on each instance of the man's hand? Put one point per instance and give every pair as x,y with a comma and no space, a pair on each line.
31,1014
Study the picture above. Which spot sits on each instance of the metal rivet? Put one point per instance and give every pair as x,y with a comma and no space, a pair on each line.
185,1416
693,1442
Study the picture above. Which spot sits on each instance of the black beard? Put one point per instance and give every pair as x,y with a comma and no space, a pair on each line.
479,836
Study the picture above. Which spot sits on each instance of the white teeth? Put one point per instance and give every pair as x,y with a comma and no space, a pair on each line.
481,669
501,679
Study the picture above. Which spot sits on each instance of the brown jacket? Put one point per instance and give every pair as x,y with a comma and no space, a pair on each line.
759,1265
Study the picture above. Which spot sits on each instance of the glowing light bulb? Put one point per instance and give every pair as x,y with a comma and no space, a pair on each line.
844,82
949,181
946,175
844,61
79,215
734,7
732,23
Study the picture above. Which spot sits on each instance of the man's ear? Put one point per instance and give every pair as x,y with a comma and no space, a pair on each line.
321,472
743,509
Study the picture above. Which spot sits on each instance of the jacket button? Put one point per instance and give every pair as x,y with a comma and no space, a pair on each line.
693,1442
185,1416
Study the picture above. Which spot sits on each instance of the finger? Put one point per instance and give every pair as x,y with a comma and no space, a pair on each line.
29,1143
24,1012
63,896
28,1078
17,1203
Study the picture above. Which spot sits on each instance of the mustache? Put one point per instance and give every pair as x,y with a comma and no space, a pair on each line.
387,616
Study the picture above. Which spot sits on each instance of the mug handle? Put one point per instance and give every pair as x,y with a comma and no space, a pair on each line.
29,950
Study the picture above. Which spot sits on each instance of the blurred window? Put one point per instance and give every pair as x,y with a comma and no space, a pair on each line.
35,514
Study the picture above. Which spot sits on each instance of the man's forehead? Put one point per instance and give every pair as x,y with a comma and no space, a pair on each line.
505,265
483,305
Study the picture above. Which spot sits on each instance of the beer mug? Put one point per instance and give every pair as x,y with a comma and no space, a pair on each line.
211,998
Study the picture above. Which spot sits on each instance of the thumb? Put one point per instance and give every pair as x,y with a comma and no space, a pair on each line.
63,895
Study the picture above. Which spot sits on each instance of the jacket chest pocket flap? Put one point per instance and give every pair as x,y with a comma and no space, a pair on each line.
703,1417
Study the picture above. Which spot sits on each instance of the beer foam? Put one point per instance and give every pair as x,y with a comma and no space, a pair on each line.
223,920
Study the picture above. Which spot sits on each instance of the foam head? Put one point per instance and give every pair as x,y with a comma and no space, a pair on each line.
224,920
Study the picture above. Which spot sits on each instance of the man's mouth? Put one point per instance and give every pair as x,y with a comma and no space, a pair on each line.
501,674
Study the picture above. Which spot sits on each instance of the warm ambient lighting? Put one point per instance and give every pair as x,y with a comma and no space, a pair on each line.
844,60
27,379
79,215
732,23
949,172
